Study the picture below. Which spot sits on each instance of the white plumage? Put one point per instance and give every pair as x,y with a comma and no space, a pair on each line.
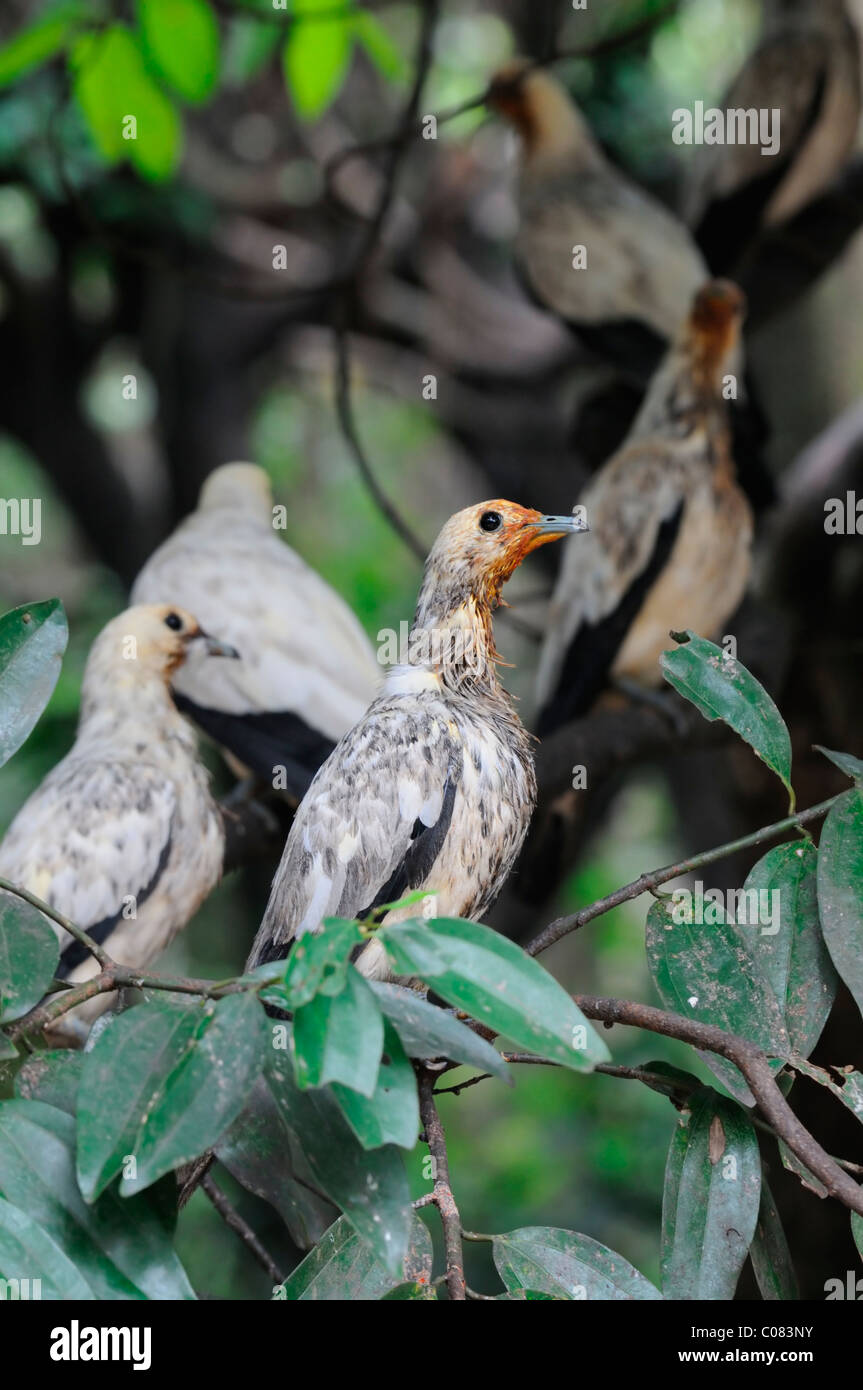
123,836
306,670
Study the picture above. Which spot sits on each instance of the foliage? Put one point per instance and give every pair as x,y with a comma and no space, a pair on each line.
302,1076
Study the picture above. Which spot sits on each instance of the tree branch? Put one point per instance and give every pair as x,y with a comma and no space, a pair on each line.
232,1218
646,883
754,1067
442,1195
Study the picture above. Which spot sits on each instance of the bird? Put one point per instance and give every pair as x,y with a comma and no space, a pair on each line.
670,528
307,669
806,67
123,837
642,266
434,787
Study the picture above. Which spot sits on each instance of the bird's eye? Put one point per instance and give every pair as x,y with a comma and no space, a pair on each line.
491,521
174,622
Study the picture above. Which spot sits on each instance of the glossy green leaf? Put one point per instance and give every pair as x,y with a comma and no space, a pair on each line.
340,1038
342,1267
264,1155
840,889
319,962
52,1077
126,111
711,1199
370,1187
851,766
721,688
181,40
32,642
29,955
29,1254
707,972
566,1265
493,980
403,1293
162,1085
316,58
787,942
123,1249
391,1115
428,1032
769,1253
38,42
377,43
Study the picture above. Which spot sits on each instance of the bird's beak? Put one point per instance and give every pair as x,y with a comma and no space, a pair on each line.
553,527
214,647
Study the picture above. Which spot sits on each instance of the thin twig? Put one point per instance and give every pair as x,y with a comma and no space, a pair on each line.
232,1218
562,926
442,1194
79,934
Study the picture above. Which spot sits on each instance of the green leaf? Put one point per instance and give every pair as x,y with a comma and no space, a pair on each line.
316,58
391,1115
181,39
52,1077
123,1249
851,766
711,1199
32,642
426,1293
342,1268
475,969
28,1253
112,85
39,42
428,1032
383,52
562,1264
721,688
844,1083
370,1187
250,46
840,889
319,961
857,1231
162,1085
798,1168
707,972
791,949
29,955
264,1156
340,1038
770,1256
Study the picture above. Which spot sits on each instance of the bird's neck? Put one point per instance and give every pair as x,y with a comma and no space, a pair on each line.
452,635
133,709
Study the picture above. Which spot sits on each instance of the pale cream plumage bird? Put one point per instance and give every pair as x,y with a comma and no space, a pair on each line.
434,788
670,529
642,265
807,68
123,836
307,670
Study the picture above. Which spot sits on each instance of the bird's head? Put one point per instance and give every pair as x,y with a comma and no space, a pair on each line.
237,487
153,639
712,332
538,107
480,547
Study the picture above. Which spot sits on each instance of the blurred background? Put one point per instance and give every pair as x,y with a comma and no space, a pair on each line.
163,272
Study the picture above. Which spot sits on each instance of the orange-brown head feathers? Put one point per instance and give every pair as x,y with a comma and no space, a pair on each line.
712,332
480,547
540,109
